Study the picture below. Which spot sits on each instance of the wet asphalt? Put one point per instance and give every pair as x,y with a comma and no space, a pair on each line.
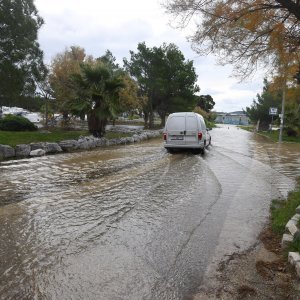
134,222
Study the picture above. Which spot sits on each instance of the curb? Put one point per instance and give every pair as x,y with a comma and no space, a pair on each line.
292,233
82,143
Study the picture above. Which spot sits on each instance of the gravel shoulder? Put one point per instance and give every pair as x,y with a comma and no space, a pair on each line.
262,272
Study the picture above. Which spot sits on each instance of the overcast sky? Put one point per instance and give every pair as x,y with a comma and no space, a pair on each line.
119,26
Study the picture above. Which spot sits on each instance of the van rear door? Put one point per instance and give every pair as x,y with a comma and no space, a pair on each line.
176,130
191,130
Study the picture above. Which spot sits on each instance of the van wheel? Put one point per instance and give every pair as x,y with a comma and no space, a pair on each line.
170,150
197,151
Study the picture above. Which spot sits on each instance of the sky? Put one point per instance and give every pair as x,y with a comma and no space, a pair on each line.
118,25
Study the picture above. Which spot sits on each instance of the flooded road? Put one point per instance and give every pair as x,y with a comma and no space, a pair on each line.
133,222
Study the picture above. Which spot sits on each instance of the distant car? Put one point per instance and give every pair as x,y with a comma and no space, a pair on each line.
186,130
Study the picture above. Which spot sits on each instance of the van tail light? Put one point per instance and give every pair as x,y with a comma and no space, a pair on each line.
165,136
199,136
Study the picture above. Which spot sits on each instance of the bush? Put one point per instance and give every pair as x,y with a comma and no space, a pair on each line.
16,123
291,132
283,211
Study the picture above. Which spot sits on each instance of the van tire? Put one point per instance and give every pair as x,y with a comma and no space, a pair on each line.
197,151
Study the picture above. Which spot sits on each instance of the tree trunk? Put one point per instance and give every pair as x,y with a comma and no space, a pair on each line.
65,115
82,116
46,113
163,120
151,120
96,125
146,119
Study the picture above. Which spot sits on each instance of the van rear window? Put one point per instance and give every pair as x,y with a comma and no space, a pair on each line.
176,123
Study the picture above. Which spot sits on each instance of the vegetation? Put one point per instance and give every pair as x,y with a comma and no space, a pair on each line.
282,212
13,138
16,123
270,97
96,94
64,65
21,60
259,110
98,88
205,102
274,135
209,117
246,34
165,78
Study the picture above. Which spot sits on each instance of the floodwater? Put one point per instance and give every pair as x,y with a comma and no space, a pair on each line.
134,222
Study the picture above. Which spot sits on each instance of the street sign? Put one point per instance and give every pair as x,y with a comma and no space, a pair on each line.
273,111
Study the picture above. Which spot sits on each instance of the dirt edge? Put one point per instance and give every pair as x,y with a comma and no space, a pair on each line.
261,272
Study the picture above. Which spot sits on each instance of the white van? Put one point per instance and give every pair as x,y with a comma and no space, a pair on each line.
186,130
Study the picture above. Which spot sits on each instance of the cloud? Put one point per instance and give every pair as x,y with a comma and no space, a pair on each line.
119,26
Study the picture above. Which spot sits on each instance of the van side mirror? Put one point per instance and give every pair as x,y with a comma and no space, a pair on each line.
208,129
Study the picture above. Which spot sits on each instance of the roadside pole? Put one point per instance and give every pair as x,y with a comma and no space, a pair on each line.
282,114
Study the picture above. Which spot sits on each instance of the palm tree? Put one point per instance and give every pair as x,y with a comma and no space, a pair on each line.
97,95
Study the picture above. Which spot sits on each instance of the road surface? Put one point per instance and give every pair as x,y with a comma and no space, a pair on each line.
134,222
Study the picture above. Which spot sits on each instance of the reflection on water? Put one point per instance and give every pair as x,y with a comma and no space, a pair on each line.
283,158
128,222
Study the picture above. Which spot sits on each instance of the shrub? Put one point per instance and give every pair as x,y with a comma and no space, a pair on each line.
283,211
16,123
291,131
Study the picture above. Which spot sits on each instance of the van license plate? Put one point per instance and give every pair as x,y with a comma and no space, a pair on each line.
177,138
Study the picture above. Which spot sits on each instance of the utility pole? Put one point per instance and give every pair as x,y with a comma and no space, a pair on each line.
282,113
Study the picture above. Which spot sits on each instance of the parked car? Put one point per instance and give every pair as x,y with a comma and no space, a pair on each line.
186,130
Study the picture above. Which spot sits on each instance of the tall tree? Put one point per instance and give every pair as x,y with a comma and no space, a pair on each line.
244,33
205,102
259,110
21,60
97,94
130,96
165,77
63,65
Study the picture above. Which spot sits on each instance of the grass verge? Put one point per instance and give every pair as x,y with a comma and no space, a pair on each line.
13,138
248,128
282,212
274,135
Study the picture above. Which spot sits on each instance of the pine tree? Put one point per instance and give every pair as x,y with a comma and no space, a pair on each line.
21,60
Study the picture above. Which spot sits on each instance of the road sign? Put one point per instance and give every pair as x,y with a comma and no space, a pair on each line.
273,111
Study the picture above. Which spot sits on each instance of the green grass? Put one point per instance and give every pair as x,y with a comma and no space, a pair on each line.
248,128
116,135
13,138
274,136
282,212
295,246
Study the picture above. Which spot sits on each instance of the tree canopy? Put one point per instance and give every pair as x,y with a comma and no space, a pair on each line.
271,97
96,90
64,65
259,110
21,60
244,33
205,102
165,77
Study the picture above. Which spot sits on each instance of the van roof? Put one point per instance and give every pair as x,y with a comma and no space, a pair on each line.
181,114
